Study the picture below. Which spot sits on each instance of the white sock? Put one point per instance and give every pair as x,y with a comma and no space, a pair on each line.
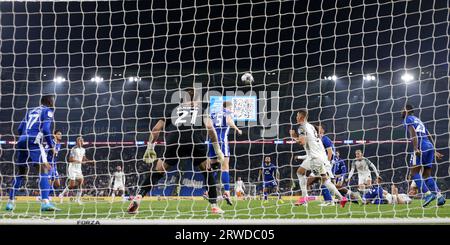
64,191
112,196
332,188
214,205
46,201
303,184
79,192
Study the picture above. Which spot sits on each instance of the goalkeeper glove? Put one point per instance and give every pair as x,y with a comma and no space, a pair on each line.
219,153
150,154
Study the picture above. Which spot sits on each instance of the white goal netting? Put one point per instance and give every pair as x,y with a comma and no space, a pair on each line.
113,68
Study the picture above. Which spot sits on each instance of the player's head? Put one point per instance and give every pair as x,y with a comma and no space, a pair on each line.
358,154
48,100
408,110
227,104
267,160
239,178
119,168
80,141
302,116
320,129
57,134
379,180
188,95
337,153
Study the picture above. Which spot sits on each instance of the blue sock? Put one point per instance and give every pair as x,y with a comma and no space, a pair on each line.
431,184
326,193
16,187
226,180
44,185
265,195
419,183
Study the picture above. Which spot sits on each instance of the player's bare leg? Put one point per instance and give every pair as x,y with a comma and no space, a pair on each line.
69,187
80,191
301,175
332,188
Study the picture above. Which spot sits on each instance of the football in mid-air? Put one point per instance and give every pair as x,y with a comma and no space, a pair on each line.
247,78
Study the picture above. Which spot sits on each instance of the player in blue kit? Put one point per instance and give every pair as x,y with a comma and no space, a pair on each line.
423,157
374,193
270,176
222,121
53,174
33,130
339,170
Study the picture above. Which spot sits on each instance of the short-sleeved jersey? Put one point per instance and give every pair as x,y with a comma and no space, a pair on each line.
269,171
37,125
184,124
240,184
313,147
119,178
78,154
219,120
339,167
421,132
50,157
362,166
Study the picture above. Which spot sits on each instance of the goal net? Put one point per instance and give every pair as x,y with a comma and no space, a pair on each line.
114,67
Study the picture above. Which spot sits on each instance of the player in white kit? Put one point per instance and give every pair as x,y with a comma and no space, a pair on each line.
316,158
362,165
118,184
239,189
77,157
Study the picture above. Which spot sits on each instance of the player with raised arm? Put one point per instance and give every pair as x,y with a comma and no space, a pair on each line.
239,188
33,130
340,171
53,174
270,176
315,158
222,122
423,157
77,158
185,137
117,183
362,165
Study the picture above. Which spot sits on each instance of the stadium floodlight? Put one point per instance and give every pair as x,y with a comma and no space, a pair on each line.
134,79
407,77
97,79
331,78
369,78
59,79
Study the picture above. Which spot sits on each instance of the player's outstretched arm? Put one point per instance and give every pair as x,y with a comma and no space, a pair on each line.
150,154
372,166
437,154
352,170
230,122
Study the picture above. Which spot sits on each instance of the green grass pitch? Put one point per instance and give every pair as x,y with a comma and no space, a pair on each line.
189,209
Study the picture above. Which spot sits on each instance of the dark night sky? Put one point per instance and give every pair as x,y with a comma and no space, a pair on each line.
288,46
